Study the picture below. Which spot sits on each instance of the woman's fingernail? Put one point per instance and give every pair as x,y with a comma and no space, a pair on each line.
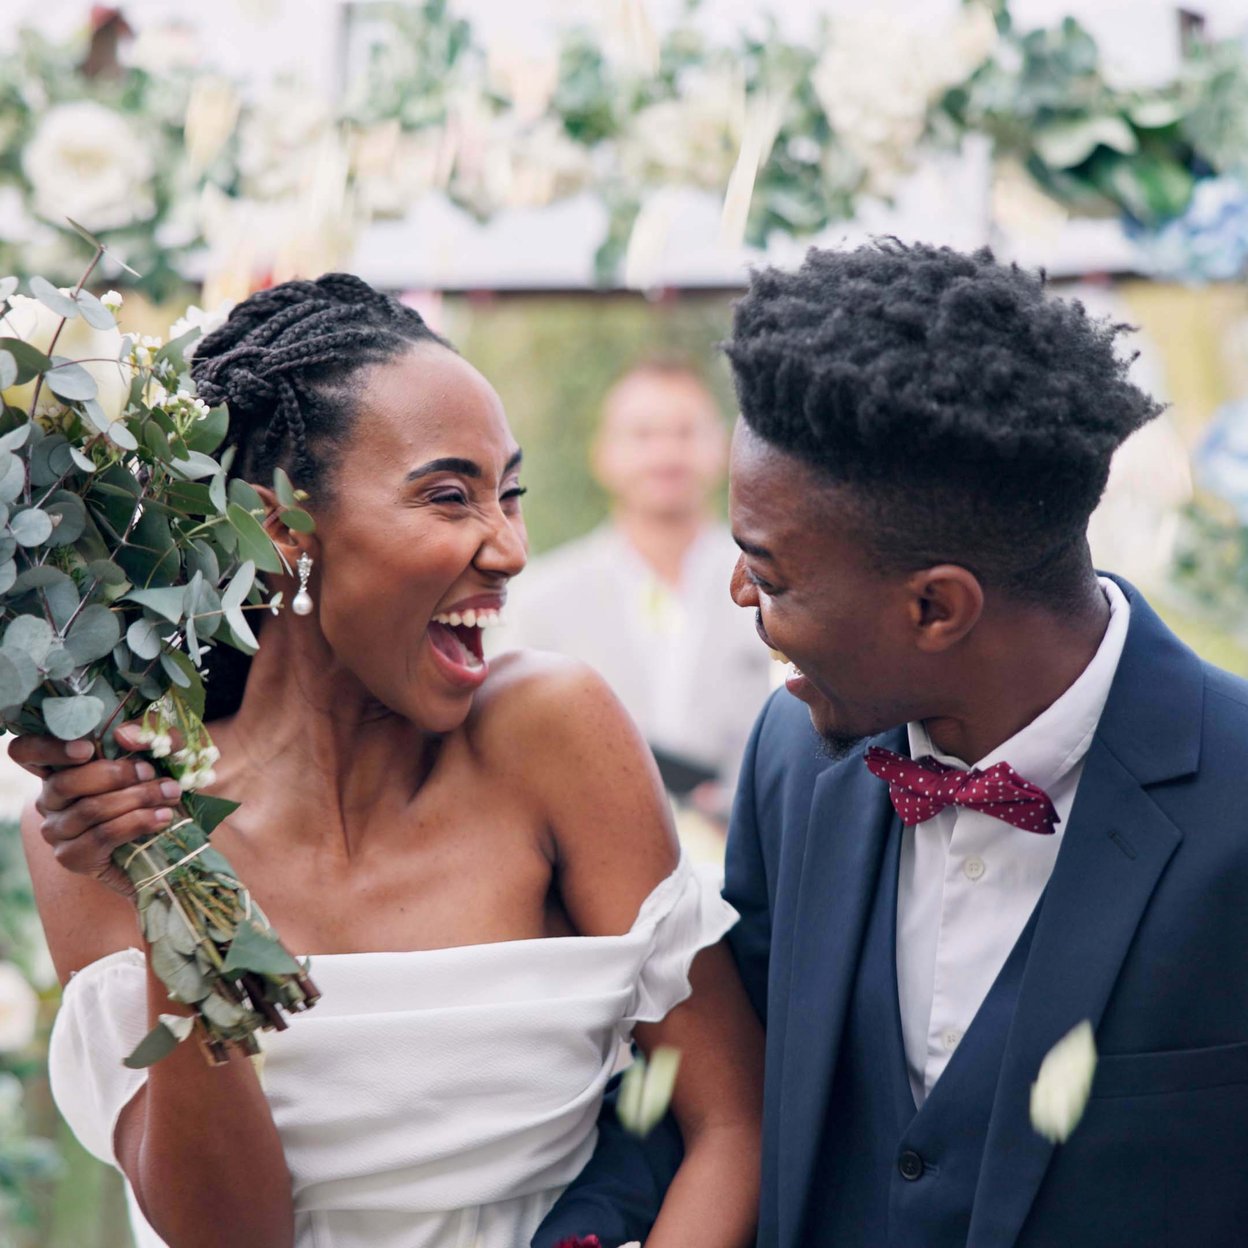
79,751
145,771
163,815
170,789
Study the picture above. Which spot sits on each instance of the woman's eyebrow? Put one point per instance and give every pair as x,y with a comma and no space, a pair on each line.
465,467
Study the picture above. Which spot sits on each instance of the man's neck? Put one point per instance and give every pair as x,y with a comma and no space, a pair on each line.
1022,664
662,541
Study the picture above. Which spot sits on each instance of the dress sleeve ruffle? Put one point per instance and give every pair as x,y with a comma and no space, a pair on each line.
684,915
103,1016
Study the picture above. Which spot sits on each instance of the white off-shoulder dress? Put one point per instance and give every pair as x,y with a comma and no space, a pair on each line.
433,1099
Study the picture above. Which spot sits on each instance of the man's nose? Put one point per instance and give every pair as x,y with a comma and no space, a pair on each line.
742,589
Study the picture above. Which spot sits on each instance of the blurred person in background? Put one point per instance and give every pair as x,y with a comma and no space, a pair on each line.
643,598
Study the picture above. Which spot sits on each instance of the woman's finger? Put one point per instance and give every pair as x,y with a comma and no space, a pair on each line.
37,754
64,788
153,798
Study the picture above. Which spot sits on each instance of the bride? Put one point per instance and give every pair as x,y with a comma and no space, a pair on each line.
478,858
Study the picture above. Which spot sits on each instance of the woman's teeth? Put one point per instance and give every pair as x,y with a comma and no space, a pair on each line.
472,619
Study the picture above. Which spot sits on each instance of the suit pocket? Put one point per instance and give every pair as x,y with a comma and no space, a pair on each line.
1174,1070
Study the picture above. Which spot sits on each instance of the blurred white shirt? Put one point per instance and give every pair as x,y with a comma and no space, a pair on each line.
686,662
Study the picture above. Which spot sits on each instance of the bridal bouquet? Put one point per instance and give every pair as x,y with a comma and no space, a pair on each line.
126,554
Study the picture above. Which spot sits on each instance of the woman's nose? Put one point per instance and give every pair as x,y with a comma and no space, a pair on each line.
506,550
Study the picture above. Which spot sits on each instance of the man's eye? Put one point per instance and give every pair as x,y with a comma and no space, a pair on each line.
760,584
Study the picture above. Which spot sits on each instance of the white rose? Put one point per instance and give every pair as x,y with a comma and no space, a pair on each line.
19,1009
1061,1090
86,162
99,349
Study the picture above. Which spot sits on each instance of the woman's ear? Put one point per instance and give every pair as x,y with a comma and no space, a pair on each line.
290,544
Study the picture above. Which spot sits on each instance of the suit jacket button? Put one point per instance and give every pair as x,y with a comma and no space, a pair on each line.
911,1166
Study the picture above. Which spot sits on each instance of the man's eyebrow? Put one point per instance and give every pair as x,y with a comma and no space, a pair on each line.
465,467
759,552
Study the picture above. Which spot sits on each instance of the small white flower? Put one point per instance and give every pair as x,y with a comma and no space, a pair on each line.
209,756
188,780
19,1009
1061,1090
112,300
196,317
207,778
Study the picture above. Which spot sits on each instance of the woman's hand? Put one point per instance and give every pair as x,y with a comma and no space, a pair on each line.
89,808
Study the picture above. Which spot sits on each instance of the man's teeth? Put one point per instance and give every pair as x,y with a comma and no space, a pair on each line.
473,619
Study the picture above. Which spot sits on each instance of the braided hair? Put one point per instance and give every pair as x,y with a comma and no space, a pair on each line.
283,365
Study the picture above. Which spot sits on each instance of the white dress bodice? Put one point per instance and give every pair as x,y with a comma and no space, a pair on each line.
433,1099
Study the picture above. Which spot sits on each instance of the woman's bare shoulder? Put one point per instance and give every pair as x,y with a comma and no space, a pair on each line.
535,699
82,919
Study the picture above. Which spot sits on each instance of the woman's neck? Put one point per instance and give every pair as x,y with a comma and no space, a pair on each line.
310,739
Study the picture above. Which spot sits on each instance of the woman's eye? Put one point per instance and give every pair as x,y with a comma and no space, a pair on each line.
454,496
518,492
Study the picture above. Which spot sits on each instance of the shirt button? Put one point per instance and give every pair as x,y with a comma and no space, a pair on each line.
973,868
951,1037
911,1166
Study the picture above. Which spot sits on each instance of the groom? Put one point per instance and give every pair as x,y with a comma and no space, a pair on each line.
924,435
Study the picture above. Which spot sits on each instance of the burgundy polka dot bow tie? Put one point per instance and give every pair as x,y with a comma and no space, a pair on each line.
922,787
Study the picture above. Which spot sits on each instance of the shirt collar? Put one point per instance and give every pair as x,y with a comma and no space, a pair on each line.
1058,738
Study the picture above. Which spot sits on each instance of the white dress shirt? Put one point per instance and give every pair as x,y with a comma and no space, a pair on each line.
968,883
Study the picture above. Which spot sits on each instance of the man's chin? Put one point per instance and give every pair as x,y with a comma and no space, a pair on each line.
838,746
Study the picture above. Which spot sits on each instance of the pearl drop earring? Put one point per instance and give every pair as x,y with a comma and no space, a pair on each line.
302,604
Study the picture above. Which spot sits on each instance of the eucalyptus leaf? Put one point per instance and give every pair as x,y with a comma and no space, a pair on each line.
207,434
1065,144
216,491
68,380
94,312
143,637
18,677
180,975
39,578
8,575
12,477
15,439
8,369
283,488
298,520
165,602
255,950
157,1044
53,299
93,635
174,671
71,718
222,1013
155,915
59,663
30,360
196,466
179,935
106,572
242,493
96,415
69,518
254,543
81,460
32,635
31,527
119,434
243,636
62,601
208,812
239,587
42,471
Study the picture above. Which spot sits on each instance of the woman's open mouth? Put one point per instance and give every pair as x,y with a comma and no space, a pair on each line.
456,641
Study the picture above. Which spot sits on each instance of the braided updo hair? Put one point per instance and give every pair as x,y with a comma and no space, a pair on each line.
283,362
283,365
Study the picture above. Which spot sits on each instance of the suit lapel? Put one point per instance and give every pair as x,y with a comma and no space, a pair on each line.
1113,854
850,817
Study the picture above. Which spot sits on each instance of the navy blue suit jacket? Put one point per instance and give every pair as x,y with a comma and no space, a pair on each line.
1143,930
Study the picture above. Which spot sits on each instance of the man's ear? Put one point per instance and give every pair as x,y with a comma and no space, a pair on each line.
946,602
